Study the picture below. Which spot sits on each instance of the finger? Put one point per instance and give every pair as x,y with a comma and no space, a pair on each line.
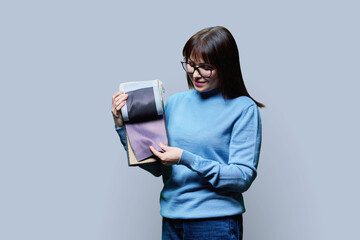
123,95
116,95
114,105
156,153
164,147
120,102
118,107
121,98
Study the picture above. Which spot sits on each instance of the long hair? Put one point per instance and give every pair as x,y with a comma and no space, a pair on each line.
217,46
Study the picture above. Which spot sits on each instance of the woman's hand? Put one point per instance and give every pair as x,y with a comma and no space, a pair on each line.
170,156
118,101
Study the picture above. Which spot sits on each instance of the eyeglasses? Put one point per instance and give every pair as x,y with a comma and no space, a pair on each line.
204,70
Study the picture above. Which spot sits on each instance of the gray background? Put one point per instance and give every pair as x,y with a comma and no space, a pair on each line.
63,173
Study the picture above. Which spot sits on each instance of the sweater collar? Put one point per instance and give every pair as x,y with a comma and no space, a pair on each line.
209,93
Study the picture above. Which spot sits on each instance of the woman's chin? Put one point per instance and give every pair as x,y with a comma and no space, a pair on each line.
201,86
203,89
200,89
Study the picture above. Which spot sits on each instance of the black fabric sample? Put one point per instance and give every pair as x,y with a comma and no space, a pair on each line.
141,105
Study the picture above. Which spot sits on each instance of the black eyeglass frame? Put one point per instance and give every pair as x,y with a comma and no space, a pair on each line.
196,68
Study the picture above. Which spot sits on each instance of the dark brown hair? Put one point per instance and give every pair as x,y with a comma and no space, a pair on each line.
217,46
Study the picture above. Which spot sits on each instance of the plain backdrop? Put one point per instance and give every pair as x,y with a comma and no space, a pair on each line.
63,171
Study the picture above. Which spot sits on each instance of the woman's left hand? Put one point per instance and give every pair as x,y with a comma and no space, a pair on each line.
170,156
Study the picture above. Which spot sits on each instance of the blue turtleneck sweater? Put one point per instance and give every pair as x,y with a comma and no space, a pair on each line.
221,141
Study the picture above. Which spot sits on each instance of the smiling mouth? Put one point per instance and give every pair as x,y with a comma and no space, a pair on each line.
200,82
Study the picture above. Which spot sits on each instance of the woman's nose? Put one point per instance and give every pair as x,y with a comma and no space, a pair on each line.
196,74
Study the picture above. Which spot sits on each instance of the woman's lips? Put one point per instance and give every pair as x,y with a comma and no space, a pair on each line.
199,83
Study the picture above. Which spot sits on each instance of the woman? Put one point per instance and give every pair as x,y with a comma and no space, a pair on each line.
214,132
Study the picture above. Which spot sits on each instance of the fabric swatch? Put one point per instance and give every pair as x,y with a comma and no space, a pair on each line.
143,117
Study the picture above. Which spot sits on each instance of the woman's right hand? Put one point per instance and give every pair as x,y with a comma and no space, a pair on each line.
118,101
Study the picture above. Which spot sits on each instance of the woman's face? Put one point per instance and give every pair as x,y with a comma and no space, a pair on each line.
202,84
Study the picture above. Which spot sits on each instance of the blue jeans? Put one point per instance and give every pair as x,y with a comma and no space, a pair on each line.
200,229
